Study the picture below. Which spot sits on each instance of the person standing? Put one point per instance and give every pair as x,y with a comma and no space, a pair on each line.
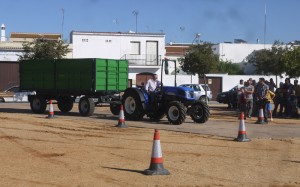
272,85
150,87
297,92
249,90
278,100
287,90
261,97
242,101
270,96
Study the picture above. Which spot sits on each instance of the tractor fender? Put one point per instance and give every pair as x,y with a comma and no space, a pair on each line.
142,94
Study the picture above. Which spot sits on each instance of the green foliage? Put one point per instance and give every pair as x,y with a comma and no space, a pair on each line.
44,49
292,62
229,67
269,61
199,60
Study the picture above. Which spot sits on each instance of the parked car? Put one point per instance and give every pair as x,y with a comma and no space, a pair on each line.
199,91
13,94
229,97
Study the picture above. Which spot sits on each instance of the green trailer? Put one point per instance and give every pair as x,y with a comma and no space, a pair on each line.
92,80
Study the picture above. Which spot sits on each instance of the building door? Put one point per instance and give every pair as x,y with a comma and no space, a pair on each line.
215,85
142,78
151,53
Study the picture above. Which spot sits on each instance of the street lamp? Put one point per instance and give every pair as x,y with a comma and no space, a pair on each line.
135,13
196,36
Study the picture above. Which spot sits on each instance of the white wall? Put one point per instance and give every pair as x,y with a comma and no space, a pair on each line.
237,52
112,45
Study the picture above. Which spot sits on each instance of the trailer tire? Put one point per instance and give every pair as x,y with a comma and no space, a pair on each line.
200,112
133,108
176,113
115,108
38,104
86,106
65,104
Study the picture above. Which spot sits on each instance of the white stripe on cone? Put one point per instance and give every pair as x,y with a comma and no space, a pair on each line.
242,125
156,149
261,113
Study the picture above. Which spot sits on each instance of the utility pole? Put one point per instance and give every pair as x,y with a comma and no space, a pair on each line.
62,23
135,13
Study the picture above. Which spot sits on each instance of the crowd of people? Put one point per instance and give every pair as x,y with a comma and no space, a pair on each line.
251,96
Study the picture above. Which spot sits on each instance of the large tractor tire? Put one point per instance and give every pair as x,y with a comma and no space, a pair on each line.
133,107
176,113
200,112
86,106
115,108
65,104
38,104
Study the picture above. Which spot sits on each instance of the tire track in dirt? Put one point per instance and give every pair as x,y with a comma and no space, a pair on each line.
32,182
44,156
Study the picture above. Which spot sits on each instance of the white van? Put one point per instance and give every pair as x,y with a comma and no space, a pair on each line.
199,91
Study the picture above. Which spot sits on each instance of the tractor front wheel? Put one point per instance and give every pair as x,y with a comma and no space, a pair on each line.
199,112
176,113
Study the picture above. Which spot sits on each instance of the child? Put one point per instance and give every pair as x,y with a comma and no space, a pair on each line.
242,101
270,96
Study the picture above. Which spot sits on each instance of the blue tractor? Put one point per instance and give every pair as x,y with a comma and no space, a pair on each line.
174,102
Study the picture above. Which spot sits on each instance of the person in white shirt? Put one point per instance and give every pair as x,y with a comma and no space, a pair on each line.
152,84
150,87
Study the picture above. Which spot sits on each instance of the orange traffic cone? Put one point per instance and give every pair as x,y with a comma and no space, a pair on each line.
156,165
121,123
260,119
51,111
242,136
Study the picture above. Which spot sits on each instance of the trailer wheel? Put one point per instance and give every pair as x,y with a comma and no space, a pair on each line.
199,112
115,108
133,108
38,104
176,113
86,106
65,104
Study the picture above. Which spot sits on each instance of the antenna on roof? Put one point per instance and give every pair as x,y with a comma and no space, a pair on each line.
265,26
62,23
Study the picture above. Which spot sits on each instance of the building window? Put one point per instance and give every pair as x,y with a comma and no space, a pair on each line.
85,40
135,48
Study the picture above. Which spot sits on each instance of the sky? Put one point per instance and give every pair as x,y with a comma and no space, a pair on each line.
180,20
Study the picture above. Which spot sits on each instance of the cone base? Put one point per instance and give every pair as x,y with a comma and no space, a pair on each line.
242,138
50,116
156,169
121,125
261,122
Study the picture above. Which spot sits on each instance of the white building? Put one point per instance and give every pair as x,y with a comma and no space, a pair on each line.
143,51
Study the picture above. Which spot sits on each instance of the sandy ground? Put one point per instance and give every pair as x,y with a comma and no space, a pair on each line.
36,151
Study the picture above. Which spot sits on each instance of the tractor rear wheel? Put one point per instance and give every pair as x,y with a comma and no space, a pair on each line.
176,113
133,108
199,112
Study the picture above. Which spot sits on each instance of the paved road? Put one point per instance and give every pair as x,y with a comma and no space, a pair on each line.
227,127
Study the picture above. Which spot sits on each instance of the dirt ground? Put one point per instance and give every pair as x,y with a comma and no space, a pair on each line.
36,151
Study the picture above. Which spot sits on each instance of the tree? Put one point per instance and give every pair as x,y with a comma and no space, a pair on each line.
229,67
200,60
44,49
269,61
292,62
